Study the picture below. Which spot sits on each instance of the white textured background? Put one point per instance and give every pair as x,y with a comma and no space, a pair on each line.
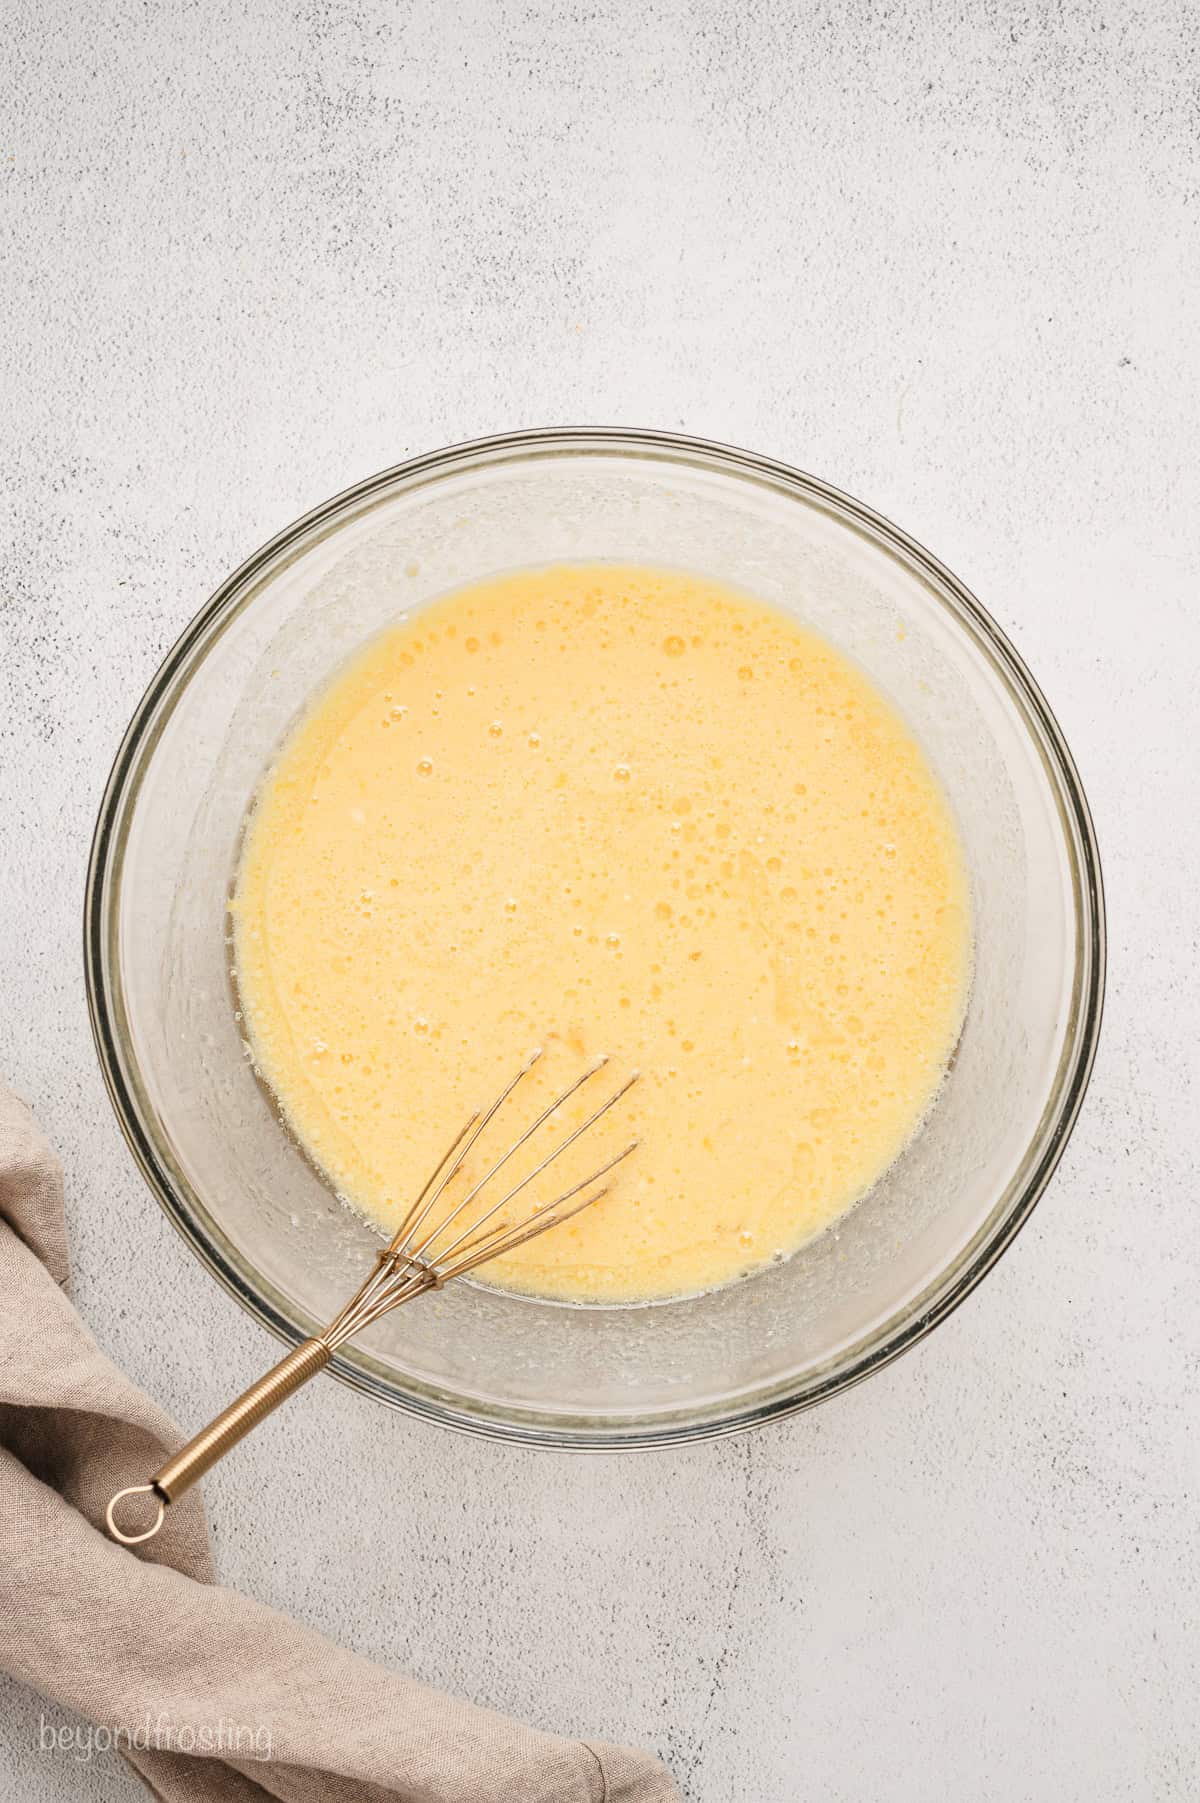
945,255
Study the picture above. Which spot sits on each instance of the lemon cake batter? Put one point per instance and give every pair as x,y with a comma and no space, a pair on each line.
619,809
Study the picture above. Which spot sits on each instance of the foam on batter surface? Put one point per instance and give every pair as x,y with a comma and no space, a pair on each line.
618,809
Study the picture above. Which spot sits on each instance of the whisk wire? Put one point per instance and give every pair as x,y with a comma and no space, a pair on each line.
466,1140
500,1239
554,1153
550,1108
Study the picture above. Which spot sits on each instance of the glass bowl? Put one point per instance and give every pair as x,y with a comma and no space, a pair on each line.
207,1136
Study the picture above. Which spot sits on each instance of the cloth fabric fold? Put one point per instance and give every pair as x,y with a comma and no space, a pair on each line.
211,1697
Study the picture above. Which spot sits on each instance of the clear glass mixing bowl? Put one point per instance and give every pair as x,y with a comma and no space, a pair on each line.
244,1196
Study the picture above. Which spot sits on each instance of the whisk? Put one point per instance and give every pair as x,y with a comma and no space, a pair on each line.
427,1250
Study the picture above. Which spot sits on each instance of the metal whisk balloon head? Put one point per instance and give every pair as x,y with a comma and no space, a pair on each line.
440,1238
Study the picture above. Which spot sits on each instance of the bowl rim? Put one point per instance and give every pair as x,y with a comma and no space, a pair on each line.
910,1322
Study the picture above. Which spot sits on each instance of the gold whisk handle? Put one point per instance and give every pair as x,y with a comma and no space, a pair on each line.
201,1453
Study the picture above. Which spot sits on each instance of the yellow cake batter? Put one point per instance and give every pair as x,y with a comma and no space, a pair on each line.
608,809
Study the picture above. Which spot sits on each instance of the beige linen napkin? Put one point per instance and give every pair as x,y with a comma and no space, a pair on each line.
210,1696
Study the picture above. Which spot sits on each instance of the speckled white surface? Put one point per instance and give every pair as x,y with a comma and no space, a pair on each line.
945,255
